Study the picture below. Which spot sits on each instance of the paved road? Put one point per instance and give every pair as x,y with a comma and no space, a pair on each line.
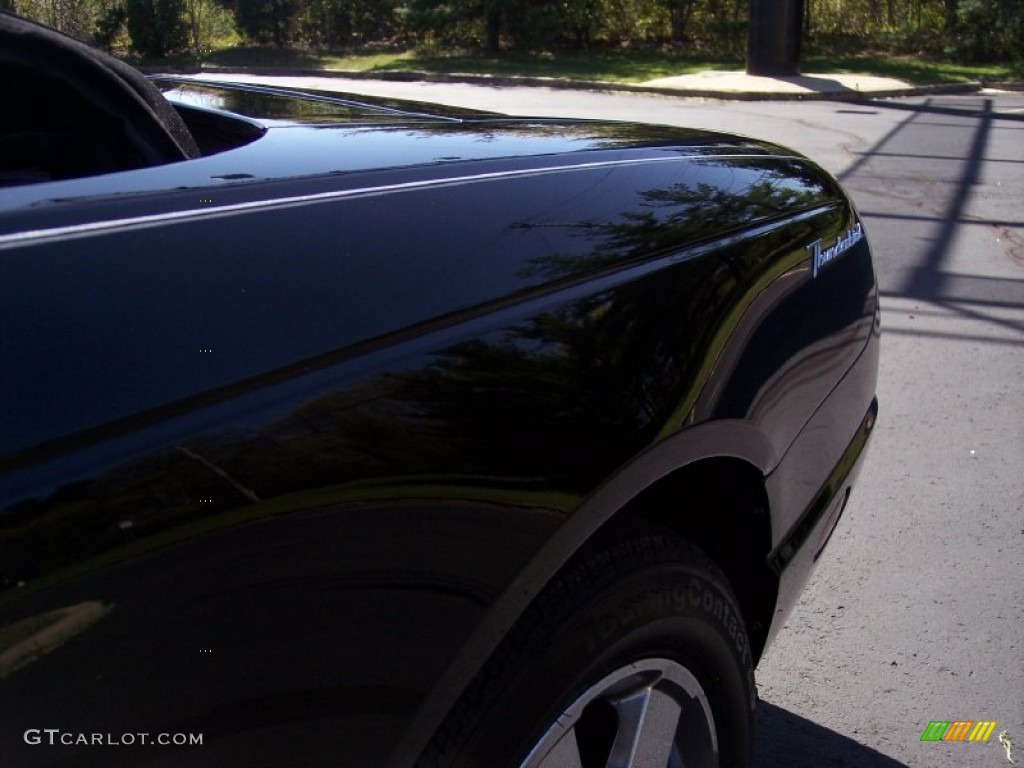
916,612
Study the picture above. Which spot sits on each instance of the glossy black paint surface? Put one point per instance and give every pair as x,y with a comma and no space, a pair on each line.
318,415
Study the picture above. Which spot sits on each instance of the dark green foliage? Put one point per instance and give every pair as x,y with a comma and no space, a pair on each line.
109,26
535,25
157,27
973,30
338,24
990,31
969,31
270,21
448,24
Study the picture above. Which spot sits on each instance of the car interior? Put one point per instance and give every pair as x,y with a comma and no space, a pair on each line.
73,111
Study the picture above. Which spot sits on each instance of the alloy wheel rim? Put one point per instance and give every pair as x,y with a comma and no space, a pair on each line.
649,714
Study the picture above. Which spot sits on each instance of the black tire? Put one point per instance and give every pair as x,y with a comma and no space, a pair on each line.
639,630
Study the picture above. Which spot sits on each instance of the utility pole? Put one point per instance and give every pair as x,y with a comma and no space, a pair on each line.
773,41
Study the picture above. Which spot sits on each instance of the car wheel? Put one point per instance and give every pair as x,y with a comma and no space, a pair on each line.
635,655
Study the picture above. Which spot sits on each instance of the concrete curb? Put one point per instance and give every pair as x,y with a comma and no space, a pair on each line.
499,81
57,628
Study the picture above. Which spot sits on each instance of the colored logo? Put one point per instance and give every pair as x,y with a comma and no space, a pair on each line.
958,730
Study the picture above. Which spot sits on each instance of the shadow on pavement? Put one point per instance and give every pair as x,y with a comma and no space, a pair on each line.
785,740
817,83
912,157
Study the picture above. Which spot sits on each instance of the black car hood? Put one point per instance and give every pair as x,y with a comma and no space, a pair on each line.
479,134
313,135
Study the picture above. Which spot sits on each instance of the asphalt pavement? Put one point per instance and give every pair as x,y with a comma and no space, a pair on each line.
915,613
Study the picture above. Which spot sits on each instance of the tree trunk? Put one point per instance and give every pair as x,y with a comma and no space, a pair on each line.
875,12
773,40
952,11
492,44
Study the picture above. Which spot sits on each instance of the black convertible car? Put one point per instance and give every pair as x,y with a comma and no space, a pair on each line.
366,434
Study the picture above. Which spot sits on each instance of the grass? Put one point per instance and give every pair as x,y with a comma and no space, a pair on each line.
608,65
611,65
919,71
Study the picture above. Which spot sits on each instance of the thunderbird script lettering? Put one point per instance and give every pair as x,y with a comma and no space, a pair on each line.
822,256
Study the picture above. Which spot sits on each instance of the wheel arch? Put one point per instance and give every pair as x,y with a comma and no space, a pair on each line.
720,504
653,487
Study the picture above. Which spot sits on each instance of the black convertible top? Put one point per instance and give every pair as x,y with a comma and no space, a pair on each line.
71,110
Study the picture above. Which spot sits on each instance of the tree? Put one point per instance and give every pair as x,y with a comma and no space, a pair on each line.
680,12
157,27
109,27
269,21
990,30
952,11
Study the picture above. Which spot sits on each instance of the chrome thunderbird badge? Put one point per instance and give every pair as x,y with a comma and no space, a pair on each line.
822,256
